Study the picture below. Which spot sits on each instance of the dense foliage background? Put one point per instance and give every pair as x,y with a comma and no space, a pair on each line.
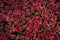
29,19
